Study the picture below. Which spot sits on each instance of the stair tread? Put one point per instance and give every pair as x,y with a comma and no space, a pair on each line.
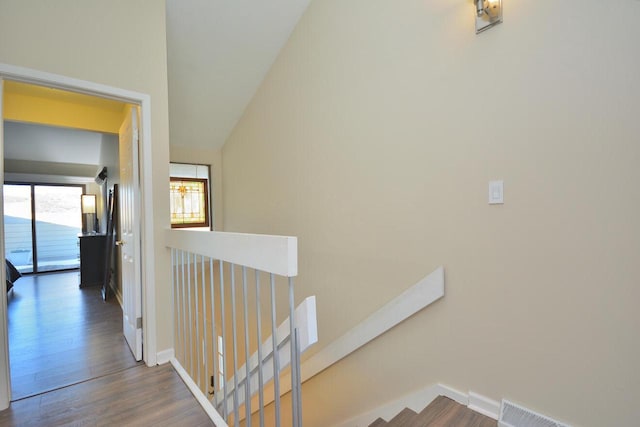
442,412
445,412
439,408
404,418
378,423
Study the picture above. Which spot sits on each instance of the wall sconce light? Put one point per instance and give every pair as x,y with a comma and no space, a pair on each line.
488,14
88,207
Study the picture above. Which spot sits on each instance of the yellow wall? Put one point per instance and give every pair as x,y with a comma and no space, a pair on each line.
34,104
373,139
117,43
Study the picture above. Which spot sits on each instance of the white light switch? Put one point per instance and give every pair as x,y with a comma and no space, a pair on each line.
496,192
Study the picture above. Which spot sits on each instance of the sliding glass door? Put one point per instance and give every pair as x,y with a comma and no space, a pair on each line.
58,221
18,223
42,223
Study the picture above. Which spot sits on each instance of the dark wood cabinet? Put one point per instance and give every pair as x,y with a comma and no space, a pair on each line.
92,253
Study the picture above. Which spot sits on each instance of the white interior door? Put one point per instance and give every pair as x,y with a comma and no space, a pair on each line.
129,202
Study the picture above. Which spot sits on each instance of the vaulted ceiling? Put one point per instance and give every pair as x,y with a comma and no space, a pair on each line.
219,51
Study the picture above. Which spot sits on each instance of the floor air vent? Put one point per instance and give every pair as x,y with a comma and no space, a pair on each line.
512,415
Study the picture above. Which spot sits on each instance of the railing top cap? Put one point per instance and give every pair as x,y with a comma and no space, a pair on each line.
272,254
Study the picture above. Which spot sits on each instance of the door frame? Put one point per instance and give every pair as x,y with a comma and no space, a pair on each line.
147,263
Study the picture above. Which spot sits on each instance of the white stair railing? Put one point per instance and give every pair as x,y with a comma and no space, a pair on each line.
225,288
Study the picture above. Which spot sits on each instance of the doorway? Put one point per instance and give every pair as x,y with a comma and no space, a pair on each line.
60,332
146,217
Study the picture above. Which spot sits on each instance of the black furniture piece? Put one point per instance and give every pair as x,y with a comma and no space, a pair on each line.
92,248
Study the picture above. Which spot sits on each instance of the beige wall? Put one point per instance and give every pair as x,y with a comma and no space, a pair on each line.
373,139
118,43
213,158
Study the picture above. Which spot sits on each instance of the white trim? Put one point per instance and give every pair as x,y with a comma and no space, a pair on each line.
30,76
422,397
165,356
484,405
414,299
417,401
200,397
118,295
147,229
5,375
272,254
56,81
453,394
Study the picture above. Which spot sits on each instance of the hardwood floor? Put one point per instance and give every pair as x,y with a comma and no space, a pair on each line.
70,364
138,396
60,334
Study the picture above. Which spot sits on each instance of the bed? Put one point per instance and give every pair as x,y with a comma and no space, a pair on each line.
12,274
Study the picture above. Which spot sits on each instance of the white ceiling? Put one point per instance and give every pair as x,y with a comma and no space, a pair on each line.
26,141
219,51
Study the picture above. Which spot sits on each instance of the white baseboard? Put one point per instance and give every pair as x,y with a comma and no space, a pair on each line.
484,405
453,394
118,295
165,356
420,399
197,393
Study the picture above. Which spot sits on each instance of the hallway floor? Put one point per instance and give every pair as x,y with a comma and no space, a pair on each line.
60,334
70,364
137,396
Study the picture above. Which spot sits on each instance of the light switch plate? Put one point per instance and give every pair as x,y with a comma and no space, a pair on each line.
496,192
